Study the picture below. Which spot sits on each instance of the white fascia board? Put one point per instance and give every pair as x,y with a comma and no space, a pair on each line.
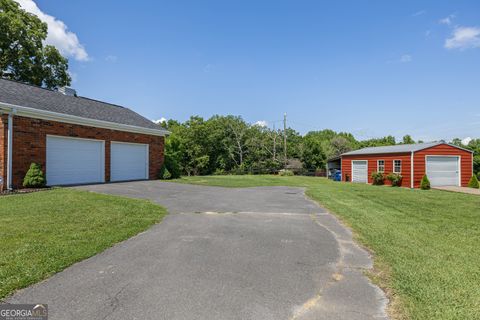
61,117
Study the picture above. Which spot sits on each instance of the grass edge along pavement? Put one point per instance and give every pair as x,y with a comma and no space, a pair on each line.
425,243
45,232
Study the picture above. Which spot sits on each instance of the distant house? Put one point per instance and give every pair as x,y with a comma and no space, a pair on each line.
75,139
444,164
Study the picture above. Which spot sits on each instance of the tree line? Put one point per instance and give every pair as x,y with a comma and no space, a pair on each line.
230,145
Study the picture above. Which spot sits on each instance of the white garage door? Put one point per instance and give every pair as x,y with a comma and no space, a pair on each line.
360,171
443,171
129,161
74,161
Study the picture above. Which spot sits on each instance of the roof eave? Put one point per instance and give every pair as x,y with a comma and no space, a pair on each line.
62,117
408,151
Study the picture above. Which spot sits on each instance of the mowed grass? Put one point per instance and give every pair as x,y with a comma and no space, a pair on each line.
43,233
426,244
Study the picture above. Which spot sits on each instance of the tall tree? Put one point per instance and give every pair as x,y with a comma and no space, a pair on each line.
407,139
23,55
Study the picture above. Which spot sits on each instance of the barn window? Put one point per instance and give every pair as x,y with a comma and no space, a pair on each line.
397,166
381,165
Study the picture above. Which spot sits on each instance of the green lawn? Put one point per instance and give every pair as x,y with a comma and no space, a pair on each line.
426,243
45,232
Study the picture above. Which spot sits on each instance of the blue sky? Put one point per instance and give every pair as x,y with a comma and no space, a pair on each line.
372,68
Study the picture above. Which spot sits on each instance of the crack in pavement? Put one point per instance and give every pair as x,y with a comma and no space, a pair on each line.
315,303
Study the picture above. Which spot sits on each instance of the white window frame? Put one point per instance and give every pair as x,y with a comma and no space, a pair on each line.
393,169
378,166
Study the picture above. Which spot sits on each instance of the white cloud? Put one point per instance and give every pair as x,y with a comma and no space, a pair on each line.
58,34
447,20
159,121
261,123
464,38
406,58
466,141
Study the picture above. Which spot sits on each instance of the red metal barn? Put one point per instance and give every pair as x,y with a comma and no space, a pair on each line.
443,163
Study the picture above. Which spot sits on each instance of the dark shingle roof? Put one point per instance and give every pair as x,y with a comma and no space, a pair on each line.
399,148
24,95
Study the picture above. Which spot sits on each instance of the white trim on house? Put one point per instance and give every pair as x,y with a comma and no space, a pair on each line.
401,165
459,165
61,117
412,177
10,151
378,166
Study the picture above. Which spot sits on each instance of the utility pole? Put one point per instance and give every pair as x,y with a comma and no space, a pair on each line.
274,143
285,138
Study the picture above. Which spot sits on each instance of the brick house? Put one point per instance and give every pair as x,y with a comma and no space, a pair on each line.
76,140
443,163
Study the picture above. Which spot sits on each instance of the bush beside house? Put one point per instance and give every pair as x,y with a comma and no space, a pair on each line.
425,184
378,178
34,177
473,183
395,179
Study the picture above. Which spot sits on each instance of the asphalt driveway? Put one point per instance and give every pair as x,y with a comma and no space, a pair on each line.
255,253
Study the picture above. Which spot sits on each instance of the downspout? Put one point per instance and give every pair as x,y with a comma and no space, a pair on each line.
412,182
10,149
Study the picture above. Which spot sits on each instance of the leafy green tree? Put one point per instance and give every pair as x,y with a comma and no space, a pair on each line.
407,139
313,156
23,55
340,145
474,145
378,142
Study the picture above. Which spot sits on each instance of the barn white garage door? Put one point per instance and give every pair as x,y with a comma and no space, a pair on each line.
443,171
360,171
129,161
74,161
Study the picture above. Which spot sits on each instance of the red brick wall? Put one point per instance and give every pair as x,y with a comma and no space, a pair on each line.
466,162
3,149
372,165
30,138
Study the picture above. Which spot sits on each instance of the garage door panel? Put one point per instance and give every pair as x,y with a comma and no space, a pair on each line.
74,161
443,171
360,171
129,161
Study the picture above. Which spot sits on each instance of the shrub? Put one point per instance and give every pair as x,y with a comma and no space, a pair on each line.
473,183
219,172
173,166
285,173
395,179
378,178
164,173
425,183
34,177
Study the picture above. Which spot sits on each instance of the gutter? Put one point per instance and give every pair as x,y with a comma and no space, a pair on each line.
62,117
10,113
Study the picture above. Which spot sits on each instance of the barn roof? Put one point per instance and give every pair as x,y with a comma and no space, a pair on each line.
400,148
